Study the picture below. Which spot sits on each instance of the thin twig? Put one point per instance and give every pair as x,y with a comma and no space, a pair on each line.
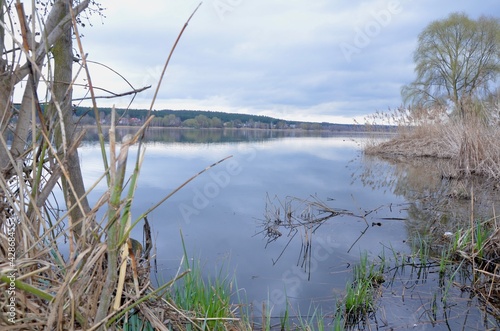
113,95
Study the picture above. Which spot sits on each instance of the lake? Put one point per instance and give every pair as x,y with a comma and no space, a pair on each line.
288,215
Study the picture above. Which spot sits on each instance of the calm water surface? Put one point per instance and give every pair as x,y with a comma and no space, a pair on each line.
223,213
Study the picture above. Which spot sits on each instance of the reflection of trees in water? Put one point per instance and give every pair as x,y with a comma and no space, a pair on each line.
184,135
437,203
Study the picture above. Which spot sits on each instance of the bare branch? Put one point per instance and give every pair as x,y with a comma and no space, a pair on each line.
113,95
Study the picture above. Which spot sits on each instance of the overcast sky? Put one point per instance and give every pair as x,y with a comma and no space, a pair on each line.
316,60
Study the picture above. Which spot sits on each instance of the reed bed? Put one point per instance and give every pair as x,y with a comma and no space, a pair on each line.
470,153
473,251
479,247
55,279
471,145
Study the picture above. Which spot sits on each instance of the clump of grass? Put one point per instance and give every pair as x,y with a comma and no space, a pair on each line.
476,243
474,251
285,318
315,320
360,299
209,301
292,319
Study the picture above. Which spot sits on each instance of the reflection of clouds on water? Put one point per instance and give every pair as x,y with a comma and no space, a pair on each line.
223,207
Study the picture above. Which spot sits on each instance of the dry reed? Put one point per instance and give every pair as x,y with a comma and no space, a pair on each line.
471,145
62,273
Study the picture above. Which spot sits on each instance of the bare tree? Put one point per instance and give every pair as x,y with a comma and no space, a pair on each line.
39,135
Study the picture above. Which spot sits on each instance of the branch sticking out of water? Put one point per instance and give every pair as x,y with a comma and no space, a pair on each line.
286,218
294,215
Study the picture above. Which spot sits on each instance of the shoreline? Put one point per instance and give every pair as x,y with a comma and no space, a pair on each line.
291,130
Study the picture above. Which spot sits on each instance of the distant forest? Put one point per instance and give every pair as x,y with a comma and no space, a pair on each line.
204,119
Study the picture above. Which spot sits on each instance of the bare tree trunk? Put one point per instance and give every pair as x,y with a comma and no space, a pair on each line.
58,21
5,115
25,117
66,130
5,93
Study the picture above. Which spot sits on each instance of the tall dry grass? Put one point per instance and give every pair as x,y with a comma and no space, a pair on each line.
471,144
53,278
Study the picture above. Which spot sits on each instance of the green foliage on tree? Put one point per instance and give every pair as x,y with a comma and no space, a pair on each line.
216,122
457,61
206,119
190,123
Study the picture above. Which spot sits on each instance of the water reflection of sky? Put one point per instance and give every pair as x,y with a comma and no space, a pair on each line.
221,211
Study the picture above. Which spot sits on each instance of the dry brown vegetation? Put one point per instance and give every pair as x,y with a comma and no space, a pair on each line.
64,264
471,145
471,150
54,280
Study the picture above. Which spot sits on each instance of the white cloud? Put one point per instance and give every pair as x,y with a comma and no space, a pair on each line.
278,58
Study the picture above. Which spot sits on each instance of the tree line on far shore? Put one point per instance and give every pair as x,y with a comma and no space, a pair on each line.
202,119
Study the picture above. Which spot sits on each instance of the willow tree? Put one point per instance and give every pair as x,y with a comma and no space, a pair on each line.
457,61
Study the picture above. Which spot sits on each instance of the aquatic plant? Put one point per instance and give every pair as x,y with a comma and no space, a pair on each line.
208,300
315,320
361,293
467,258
